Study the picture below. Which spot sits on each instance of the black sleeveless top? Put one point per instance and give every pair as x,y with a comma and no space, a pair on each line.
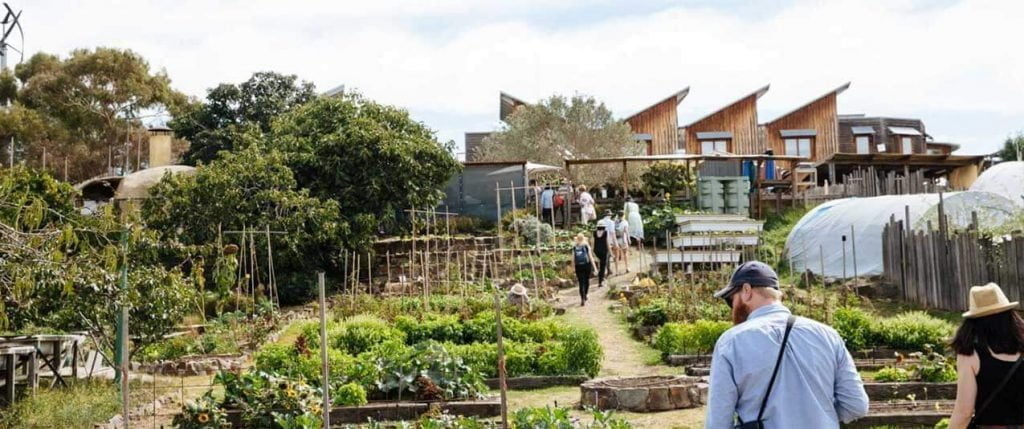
601,244
1008,407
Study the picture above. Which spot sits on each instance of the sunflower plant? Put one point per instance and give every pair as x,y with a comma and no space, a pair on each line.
203,413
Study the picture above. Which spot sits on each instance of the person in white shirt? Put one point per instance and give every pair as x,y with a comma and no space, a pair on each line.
621,241
587,210
636,224
547,204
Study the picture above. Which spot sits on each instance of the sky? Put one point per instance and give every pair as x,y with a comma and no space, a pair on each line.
956,64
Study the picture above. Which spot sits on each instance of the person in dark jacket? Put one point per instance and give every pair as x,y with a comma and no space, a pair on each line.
602,249
583,260
989,349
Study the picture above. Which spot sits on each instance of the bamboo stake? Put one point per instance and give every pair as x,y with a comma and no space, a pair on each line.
502,385
325,384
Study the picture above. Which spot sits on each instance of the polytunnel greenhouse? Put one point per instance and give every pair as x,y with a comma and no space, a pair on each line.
1006,179
823,240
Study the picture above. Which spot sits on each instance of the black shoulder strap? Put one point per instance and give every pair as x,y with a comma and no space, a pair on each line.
778,362
1000,387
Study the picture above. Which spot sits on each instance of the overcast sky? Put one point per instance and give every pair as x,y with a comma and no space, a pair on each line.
956,64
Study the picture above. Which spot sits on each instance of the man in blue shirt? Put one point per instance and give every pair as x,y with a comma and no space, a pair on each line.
817,385
547,204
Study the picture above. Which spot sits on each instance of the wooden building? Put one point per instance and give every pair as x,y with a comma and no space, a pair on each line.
809,131
866,135
658,124
731,129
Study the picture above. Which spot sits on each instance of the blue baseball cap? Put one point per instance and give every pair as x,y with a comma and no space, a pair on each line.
754,273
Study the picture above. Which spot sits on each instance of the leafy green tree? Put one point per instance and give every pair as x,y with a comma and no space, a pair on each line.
248,189
230,111
1013,148
558,128
93,95
668,177
373,159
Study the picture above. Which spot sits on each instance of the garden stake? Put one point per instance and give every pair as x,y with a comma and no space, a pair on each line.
497,199
501,360
369,273
387,259
853,245
323,352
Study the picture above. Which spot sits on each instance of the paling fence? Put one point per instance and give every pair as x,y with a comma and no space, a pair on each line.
936,267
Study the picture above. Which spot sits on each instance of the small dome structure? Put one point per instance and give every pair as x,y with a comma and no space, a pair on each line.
136,186
1006,179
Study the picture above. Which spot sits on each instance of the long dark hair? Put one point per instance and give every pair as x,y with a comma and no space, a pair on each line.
1001,332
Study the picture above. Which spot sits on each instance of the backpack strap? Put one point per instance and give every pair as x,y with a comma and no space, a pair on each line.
778,362
1002,384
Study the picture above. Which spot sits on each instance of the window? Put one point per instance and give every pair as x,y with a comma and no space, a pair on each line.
863,144
800,147
711,146
908,145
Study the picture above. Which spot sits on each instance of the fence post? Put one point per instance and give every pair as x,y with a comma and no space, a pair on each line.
326,385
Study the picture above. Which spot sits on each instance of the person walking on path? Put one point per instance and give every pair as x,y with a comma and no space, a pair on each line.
621,241
989,348
609,227
587,211
547,205
602,249
583,259
775,370
636,223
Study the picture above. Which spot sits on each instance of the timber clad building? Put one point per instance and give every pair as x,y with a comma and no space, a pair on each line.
731,129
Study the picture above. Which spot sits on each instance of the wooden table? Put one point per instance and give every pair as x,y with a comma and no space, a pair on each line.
13,357
50,348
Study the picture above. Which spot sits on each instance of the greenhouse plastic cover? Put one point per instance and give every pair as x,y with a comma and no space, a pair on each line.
1006,179
816,241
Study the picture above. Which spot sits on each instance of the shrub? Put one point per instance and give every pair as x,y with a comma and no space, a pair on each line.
699,336
360,333
583,352
542,330
442,328
892,375
348,394
481,357
552,359
913,331
854,326
529,228
276,359
649,315
520,358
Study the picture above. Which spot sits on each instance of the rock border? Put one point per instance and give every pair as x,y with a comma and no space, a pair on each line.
649,394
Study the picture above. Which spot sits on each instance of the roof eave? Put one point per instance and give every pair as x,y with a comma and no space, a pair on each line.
760,92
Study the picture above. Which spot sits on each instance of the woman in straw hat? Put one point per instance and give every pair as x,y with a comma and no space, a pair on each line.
583,259
989,347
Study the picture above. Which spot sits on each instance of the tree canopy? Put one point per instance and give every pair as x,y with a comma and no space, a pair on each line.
83,108
373,159
1013,148
231,110
557,128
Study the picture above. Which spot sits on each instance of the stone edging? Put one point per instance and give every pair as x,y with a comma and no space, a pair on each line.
921,391
644,394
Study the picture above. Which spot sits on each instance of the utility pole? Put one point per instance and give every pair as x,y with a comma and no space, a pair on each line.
9,23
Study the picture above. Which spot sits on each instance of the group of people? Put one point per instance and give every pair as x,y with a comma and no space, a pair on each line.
773,369
612,238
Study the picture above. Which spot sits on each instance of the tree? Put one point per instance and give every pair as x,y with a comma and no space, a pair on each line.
558,128
1013,148
249,189
230,111
373,159
96,96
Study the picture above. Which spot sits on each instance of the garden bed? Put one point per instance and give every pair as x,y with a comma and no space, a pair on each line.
401,411
644,394
688,360
911,414
537,382
918,390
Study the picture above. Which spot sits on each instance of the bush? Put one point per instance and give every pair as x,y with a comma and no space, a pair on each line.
649,315
913,331
361,333
442,328
520,358
854,326
892,375
348,394
276,359
699,336
481,357
583,352
552,359
529,227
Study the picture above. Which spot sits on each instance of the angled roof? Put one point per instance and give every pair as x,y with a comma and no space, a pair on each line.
507,104
836,91
760,92
678,96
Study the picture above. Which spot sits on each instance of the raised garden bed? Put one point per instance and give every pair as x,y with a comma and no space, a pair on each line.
538,382
644,394
195,365
688,360
402,411
910,414
901,391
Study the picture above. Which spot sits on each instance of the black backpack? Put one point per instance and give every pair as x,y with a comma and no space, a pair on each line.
581,255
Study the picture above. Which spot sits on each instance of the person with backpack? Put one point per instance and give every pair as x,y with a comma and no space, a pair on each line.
775,370
989,348
583,260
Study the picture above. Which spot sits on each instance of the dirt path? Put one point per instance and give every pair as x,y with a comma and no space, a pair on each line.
623,356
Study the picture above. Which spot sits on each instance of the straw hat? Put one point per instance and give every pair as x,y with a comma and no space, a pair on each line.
987,300
518,289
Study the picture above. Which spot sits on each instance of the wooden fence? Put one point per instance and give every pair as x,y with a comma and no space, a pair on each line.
936,267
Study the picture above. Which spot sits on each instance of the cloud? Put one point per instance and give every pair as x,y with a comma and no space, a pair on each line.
951,63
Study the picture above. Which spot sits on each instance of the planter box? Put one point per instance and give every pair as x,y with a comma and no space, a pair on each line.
538,382
697,256
721,226
401,411
921,391
904,414
644,394
714,240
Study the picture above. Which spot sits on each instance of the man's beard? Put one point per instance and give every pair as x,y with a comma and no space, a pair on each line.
740,312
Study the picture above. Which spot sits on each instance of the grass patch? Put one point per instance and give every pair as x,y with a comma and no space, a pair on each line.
80,406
